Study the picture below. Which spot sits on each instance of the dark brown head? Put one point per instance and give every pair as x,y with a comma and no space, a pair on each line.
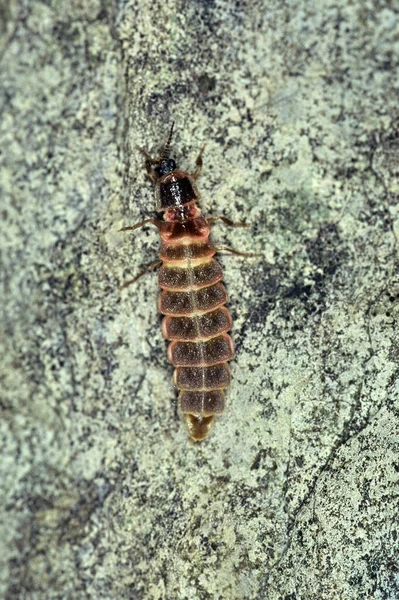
174,188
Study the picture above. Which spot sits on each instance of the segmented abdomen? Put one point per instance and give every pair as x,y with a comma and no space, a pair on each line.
196,321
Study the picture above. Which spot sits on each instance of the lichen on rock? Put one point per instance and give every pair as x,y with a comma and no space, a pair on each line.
293,494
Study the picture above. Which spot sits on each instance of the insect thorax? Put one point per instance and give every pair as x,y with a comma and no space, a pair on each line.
176,189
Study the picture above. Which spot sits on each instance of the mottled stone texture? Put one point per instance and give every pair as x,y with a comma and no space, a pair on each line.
295,495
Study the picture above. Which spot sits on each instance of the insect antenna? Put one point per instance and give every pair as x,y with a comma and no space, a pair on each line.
166,148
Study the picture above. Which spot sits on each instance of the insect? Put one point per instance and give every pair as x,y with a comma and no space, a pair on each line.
192,298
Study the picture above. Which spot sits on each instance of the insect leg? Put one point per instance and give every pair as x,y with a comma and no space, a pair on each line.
227,249
149,162
155,222
151,266
198,163
227,221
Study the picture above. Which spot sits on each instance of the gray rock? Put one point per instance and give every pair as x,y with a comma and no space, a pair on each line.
294,495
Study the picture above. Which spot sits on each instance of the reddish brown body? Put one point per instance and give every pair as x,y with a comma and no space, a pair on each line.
193,298
196,320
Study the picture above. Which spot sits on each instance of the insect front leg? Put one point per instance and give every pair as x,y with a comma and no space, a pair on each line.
198,163
150,161
155,222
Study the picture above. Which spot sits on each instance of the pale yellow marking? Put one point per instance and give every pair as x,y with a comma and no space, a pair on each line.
185,240
185,263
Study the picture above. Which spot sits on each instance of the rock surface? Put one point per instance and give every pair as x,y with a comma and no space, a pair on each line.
294,496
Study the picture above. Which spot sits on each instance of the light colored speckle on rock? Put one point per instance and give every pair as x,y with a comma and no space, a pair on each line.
293,495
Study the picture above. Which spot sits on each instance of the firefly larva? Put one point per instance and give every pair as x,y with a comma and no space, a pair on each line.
192,297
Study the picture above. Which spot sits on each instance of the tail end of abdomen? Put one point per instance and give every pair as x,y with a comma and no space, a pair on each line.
199,409
199,427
